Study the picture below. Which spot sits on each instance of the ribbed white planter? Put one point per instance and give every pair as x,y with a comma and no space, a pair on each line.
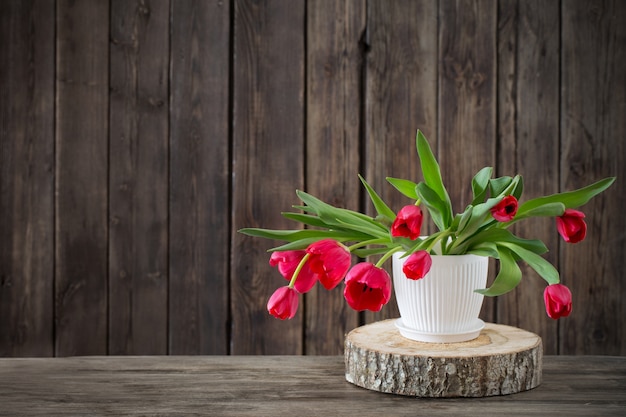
442,307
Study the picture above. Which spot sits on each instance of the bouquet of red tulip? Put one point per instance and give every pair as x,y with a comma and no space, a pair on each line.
323,252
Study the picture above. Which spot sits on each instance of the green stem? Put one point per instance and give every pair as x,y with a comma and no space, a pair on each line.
367,242
298,269
506,225
445,248
440,235
387,255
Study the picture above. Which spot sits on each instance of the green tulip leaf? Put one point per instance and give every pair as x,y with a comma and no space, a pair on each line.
296,245
381,208
544,268
406,187
345,219
485,249
422,243
465,218
479,216
432,178
435,206
293,235
570,199
307,219
498,185
364,253
545,210
518,181
365,228
455,222
501,235
480,184
508,277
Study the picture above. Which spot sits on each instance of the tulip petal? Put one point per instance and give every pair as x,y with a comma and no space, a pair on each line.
408,222
367,287
571,226
417,265
330,260
505,210
558,301
283,304
287,262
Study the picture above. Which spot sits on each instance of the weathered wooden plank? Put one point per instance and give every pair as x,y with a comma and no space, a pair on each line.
593,126
400,98
271,385
26,181
467,86
138,178
467,100
401,95
199,177
528,141
268,150
82,105
334,77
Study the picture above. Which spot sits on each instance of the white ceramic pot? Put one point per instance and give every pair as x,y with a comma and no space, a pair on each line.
442,307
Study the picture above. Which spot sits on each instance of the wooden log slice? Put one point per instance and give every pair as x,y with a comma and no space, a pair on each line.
502,360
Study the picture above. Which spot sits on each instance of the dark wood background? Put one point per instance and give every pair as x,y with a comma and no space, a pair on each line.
136,137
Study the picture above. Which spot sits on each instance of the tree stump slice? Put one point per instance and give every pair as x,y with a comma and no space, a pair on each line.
501,360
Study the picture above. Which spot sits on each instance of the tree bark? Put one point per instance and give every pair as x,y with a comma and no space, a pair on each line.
502,360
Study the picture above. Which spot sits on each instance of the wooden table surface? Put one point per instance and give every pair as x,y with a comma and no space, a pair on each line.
280,386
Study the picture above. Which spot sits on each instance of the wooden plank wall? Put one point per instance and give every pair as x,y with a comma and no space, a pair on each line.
137,137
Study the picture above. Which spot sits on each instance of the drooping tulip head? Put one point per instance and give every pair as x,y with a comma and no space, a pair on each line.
505,210
417,265
330,260
408,222
368,287
283,304
558,300
572,226
287,262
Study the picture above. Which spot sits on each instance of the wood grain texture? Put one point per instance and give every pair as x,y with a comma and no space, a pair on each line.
528,142
82,105
401,97
26,180
138,178
199,210
501,360
286,385
334,82
467,101
268,163
137,137
593,106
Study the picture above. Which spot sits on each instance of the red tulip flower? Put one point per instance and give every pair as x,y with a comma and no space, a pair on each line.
572,226
417,265
283,304
505,210
330,260
558,300
368,287
287,263
408,222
